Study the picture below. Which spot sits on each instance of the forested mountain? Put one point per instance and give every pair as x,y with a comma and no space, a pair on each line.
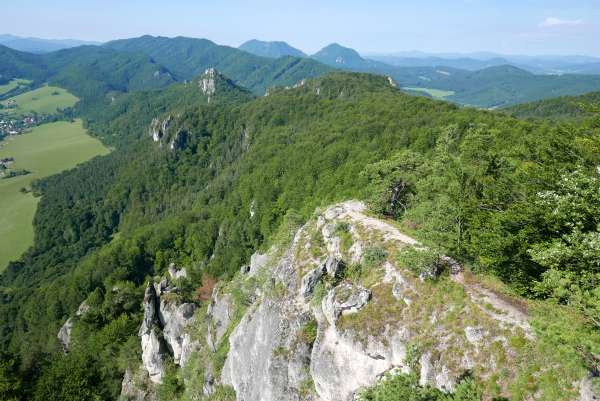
270,49
561,108
189,57
491,87
16,64
205,174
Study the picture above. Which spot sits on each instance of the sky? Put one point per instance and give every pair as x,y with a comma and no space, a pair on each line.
530,27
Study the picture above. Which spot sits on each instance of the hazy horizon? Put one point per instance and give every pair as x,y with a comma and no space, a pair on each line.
510,27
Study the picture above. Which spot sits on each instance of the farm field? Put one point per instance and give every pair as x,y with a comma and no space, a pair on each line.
435,93
46,150
45,100
12,85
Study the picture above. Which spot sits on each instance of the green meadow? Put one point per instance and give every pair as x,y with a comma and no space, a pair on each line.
435,93
46,150
15,83
44,100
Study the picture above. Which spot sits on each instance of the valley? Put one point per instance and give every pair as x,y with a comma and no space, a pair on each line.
44,100
48,149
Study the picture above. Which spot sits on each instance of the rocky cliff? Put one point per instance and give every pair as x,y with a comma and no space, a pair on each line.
336,310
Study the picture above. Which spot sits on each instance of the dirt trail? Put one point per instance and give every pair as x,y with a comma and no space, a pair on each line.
502,309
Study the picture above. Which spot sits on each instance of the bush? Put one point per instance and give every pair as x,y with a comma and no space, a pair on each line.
406,388
374,257
424,262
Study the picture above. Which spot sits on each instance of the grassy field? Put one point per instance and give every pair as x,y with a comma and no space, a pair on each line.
46,150
435,93
46,100
12,85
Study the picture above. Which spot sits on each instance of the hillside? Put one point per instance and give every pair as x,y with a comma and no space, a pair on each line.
188,57
562,108
16,64
491,87
205,184
270,49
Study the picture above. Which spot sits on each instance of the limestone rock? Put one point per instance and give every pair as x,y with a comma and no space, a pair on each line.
208,83
179,141
310,280
346,298
219,311
134,387
177,272
474,334
333,266
258,261
64,334
341,366
158,129
154,355
255,366
174,318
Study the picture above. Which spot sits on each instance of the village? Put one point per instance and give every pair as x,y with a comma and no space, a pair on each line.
16,126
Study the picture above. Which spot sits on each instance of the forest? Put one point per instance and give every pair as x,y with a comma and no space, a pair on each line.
515,198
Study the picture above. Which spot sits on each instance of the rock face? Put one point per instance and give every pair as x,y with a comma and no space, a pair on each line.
134,388
293,343
220,312
310,280
158,129
64,334
163,330
179,141
208,83
344,299
154,353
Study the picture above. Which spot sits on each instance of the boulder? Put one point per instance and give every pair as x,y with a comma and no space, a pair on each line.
344,299
333,266
310,280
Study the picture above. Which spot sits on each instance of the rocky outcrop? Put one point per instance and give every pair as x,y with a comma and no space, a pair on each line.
163,331
177,273
208,83
179,141
310,280
154,352
344,299
219,312
366,324
135,387
159,129
295,343
64,334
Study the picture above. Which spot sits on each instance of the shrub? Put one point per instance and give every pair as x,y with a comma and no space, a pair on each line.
374,257
424,262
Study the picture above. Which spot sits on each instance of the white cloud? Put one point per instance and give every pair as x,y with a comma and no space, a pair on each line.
554,22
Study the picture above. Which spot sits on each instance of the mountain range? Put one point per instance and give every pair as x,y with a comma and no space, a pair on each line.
152,62
37,45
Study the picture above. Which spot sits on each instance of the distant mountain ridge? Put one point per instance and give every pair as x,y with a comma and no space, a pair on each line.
189,57
271,49
38,45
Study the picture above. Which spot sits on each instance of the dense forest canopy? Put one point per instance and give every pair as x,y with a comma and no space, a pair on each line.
509,197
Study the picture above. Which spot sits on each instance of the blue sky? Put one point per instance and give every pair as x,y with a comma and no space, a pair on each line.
509,26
